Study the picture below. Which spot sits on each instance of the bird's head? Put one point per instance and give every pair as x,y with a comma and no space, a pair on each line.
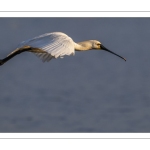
97,45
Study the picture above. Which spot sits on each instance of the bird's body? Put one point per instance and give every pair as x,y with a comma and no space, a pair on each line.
54,45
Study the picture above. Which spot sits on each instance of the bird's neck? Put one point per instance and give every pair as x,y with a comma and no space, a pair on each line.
83,46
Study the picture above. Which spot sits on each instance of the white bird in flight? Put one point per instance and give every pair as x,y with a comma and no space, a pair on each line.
54,45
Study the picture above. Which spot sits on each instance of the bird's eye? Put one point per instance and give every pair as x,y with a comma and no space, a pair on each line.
98,44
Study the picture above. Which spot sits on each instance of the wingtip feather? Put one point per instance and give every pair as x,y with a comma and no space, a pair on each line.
1,62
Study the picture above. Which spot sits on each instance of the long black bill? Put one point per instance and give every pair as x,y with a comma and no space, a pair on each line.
104,48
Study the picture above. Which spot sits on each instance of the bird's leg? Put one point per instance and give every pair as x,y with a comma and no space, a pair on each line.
14,53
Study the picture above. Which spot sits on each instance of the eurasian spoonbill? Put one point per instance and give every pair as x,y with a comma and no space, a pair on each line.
54,45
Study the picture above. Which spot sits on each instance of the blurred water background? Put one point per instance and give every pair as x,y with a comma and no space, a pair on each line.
93,91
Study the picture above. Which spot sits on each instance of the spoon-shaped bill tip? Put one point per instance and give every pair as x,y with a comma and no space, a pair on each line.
104,48
124,59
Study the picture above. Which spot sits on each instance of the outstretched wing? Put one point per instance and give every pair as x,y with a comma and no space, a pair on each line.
52,45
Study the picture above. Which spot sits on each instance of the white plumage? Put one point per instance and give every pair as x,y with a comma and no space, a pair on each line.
54,45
